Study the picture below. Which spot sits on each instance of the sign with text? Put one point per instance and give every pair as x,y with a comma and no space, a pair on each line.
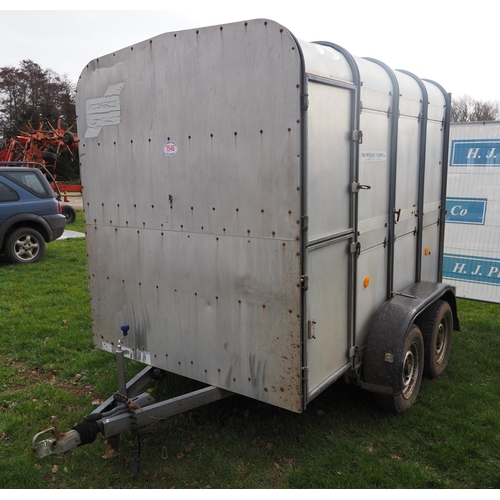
473,269
466,210
475,153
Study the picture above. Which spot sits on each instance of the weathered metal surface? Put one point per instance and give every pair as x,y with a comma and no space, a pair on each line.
377,97
58,444
115,425
435,175
241,186
330,231
192,205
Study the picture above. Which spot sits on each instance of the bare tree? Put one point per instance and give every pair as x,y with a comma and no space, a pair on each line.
467,109
34,99
30,94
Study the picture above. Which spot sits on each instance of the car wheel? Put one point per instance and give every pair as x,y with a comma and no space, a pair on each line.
70,213
25,245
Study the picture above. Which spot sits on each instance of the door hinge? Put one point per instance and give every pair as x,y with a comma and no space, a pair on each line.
356,248
311,330
305,102
304,282
305,222
305,373
357,135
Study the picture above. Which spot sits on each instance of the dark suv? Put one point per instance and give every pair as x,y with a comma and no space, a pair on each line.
30,214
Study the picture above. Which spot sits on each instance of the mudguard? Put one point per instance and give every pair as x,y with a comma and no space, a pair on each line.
385,345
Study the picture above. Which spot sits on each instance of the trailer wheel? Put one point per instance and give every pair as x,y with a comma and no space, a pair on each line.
410,372
437,330
70,213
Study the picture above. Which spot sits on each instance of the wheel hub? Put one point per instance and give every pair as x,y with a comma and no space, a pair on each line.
410,371
441,343
27,248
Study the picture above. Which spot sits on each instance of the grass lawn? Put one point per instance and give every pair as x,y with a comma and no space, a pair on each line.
50,375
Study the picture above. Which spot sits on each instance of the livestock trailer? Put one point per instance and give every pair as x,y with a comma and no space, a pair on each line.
472,256
265,216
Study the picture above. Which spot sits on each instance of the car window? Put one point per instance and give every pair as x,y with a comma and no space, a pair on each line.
7,193
30,181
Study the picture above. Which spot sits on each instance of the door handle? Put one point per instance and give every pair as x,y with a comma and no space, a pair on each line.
357,186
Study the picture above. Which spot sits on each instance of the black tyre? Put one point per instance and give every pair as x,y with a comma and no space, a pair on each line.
70,213
24,245
68,138
49,158
410,373
437,330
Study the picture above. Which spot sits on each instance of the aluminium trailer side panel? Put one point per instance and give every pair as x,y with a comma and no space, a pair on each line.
375,164
420,180
407,182
224,215
434,183
402,160
191,174
330,232
472,240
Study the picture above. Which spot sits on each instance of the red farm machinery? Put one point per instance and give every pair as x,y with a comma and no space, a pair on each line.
41,148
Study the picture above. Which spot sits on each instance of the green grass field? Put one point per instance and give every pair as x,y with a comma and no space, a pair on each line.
50,375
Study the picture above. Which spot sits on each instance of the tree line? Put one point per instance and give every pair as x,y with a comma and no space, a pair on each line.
33,96
467,109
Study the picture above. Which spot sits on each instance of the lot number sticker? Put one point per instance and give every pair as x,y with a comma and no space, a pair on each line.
170,148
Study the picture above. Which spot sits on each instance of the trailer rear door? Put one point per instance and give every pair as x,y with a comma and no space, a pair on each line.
330,233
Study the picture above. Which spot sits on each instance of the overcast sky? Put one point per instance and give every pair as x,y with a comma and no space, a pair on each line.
453,43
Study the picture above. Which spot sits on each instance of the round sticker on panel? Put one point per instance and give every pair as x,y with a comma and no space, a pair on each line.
170,148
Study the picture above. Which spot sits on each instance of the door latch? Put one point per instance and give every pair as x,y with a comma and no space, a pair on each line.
397,213
356,186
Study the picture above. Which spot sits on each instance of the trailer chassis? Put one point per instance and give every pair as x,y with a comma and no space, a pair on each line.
126,410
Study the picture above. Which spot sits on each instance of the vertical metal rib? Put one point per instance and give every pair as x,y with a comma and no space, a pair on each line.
421,172
354,166
446,143
393,172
